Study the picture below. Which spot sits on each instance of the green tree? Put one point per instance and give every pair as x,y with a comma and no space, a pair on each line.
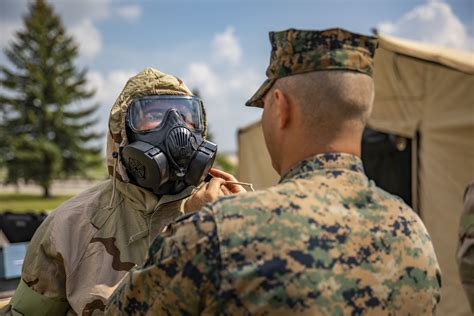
45,132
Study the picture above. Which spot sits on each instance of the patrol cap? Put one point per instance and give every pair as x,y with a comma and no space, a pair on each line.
298,51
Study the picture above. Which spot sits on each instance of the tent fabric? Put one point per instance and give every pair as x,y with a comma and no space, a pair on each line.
255,165
423,93
421,90
452,58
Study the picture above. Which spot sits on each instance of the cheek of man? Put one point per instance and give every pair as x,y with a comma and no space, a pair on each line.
269,132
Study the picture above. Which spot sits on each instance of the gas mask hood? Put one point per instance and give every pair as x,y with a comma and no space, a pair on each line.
166,151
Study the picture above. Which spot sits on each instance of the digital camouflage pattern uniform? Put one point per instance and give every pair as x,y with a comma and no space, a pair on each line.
465,255
324,241
88,244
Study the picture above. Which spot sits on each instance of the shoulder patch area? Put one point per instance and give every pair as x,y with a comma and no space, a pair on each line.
249,197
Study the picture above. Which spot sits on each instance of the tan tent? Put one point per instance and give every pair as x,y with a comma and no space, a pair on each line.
424,93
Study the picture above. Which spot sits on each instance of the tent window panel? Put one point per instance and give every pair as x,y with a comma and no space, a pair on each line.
387,161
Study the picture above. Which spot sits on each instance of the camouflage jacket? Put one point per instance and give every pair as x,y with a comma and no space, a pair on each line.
81,252
325,241
465,253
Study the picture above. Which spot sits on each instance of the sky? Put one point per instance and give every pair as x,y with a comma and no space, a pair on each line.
222,47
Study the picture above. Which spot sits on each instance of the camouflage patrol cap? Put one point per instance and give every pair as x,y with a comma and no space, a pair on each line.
298,51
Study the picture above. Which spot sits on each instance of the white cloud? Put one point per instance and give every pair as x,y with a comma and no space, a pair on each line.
74,12
224,94
227,47
245,81
433,22
130,12
202,76
109,86
78,16
223,89
88,37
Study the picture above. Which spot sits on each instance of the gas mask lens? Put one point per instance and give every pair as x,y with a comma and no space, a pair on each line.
147,113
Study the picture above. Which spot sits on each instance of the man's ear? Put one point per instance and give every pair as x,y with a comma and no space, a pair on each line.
282,108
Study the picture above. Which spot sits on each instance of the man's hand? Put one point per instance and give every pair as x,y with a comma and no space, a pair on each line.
234,188
207,193
210,191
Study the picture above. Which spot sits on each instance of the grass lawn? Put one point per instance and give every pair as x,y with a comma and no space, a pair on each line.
19,202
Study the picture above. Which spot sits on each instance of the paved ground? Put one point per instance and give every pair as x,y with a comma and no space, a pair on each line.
60,187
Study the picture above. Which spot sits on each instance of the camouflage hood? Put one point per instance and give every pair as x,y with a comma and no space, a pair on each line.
148,82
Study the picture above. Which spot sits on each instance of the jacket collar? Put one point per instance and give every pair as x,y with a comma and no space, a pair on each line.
139,199
326,161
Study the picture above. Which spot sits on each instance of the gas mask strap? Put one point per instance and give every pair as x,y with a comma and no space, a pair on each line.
114,178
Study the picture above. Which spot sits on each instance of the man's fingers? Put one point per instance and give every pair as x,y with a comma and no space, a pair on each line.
225,190
222,174
201,190
206,194
213,187
235,188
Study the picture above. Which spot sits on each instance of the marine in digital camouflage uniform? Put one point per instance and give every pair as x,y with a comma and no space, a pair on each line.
88,244
324,241
465,255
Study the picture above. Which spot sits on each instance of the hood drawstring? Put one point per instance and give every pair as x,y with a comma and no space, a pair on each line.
114,178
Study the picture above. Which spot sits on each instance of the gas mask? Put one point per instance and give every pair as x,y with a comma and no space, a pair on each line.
166,151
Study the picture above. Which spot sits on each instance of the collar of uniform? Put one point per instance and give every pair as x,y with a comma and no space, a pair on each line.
145,201
137,198
323,161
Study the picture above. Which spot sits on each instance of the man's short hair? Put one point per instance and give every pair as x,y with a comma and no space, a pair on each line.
330,99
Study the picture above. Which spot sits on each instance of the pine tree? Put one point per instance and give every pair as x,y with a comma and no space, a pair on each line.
45,133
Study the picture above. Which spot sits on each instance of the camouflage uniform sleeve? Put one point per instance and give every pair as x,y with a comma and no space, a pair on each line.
465,253
181,274
43,278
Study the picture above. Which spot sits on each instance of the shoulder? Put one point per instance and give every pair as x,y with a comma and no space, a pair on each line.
232,206
253,199
385,200
72,220
195,224
94,198
78,205
89,208
192,233
252,209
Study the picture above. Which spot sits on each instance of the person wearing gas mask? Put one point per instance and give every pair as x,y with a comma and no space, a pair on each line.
157,154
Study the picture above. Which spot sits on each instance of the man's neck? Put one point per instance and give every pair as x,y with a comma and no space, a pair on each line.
299,152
